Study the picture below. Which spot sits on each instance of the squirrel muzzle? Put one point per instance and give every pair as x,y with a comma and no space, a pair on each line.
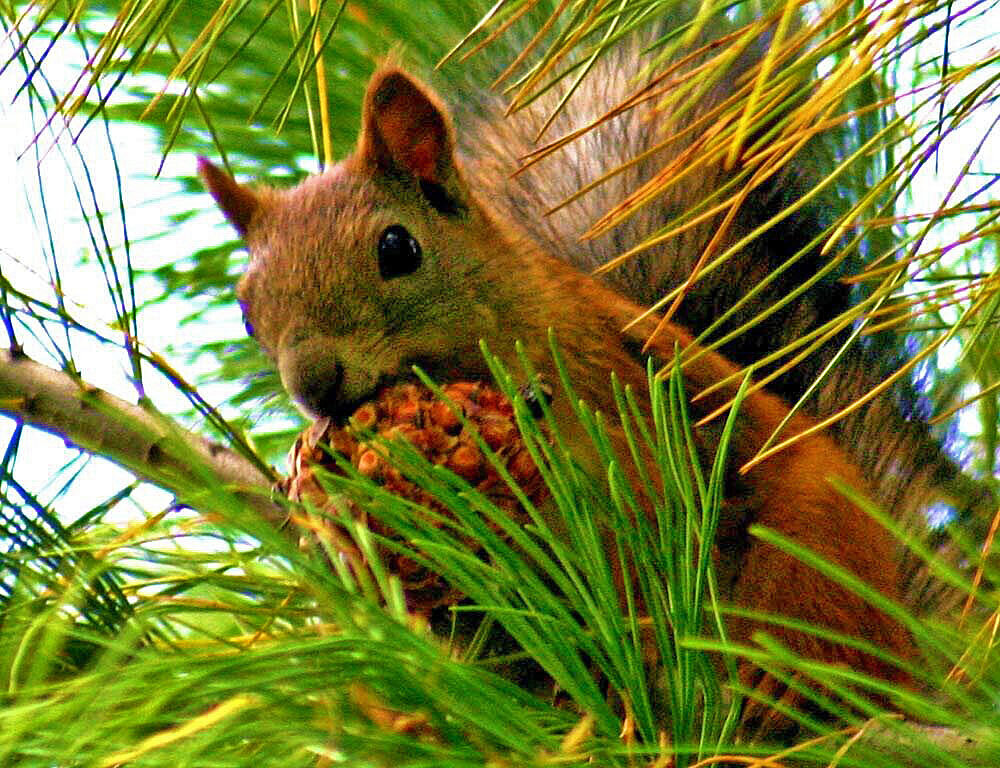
323,381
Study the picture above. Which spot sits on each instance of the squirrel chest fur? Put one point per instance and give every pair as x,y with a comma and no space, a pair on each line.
393,258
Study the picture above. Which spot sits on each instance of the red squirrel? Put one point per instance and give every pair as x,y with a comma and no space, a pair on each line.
394,257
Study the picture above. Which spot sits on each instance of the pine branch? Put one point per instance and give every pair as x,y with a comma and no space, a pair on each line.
134,437
909,744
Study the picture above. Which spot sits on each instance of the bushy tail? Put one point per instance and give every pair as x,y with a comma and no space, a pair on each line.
889,438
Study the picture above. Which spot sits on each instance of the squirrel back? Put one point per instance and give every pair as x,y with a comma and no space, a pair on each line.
891,441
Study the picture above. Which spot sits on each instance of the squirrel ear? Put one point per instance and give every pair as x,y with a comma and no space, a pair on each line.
237,202
406,128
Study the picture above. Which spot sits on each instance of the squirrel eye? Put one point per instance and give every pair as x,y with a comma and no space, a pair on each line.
398,252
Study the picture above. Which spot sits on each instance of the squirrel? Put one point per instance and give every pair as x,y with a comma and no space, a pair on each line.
412,249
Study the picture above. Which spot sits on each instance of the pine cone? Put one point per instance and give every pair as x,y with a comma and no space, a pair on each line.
411,411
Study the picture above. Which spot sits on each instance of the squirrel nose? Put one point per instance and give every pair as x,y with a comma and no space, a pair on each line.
319,389
326,376
321,381
314,375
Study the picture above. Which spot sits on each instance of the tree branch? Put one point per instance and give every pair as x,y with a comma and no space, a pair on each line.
906,744
142,441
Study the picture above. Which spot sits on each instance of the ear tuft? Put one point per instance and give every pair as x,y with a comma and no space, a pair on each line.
238,203
406,128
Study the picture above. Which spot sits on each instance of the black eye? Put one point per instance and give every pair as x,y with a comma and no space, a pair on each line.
398,252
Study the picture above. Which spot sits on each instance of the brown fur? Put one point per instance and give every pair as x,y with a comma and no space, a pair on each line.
902,459
337,330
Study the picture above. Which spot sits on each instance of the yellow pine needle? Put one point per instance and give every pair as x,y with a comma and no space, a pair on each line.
197,48
774,761
758,384
763,74
931,256
817,340
737,202
852,69
852,216
324,103
751,762
705,152
549,63
152,47
666,759
537,155
480,25
841,79
531,45
310,115
945,295
691,85
706,9
846,163
689,162
922,304
180,104
940,213
131,533
977,578
811,341
720,260
777,144
40,19
888,182
652,242
899,320
850,742
578,735
165,738
849,219
889,382
678,65
608,175
175,601
984,392
495,34
627,732
814,339
761,175
984,642
652,90
582,31
98,61
717,263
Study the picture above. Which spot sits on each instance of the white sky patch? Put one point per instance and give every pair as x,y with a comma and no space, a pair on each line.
27,244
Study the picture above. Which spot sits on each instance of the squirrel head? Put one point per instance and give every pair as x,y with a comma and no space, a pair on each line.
374,265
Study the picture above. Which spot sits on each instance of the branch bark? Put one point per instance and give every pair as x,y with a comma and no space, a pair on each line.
142,441
906,744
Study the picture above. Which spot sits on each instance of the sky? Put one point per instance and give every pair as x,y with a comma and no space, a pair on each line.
26,242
